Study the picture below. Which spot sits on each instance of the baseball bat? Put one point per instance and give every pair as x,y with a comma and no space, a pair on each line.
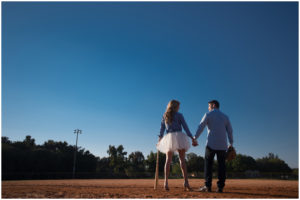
156,171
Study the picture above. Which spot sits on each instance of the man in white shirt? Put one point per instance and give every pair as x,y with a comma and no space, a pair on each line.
219,128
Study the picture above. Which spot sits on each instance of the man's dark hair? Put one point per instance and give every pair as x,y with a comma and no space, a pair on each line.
217,104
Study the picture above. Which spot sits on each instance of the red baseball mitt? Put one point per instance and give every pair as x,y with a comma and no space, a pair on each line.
230,154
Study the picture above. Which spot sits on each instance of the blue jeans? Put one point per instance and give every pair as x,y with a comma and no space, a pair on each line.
208,165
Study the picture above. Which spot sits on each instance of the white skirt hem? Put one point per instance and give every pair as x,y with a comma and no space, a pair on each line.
173,142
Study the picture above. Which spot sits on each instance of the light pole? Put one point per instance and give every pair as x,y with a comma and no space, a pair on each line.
75,153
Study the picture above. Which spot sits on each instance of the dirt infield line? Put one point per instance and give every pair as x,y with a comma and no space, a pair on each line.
143,188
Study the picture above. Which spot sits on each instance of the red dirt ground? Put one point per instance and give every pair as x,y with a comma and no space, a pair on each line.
143,188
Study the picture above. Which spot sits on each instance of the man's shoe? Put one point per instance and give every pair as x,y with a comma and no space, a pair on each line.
204,189
219,190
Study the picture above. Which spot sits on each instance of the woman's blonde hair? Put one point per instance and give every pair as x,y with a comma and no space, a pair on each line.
170,111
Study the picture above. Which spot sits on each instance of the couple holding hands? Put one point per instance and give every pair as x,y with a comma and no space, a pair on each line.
219,128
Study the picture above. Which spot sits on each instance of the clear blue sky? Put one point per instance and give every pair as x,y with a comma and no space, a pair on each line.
110,69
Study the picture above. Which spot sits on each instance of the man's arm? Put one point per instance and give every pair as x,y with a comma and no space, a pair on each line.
201,126
229,132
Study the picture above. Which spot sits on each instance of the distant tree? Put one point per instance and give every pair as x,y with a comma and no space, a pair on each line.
5,140
151,162
26,159
272,163
103,167
175,158
295,171
28,141
51,145
117,158
272,156
136,159
135,167
9,156
241,163
195,163
176,170
174,164
87,162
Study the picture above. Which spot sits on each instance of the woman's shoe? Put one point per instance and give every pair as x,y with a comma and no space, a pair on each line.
187,187
166,187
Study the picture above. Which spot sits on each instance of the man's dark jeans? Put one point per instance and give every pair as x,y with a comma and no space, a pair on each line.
209,159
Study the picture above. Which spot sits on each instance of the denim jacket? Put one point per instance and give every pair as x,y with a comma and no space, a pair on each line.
176,125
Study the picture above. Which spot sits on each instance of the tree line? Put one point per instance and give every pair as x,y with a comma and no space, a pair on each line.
54,160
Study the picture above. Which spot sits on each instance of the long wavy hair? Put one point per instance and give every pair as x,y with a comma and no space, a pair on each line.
172,107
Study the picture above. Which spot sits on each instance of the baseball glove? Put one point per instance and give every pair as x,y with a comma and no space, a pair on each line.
230,154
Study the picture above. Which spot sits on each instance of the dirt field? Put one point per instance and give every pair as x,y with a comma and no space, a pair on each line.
142,188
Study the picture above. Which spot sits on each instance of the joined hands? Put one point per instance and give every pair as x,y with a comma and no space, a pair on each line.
194,142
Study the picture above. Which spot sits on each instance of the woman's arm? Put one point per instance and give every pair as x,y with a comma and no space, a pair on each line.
185,127
162,128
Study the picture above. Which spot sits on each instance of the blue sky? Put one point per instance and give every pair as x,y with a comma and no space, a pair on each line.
110,68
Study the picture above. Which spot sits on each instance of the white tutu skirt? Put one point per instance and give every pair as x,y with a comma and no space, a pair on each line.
173,141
